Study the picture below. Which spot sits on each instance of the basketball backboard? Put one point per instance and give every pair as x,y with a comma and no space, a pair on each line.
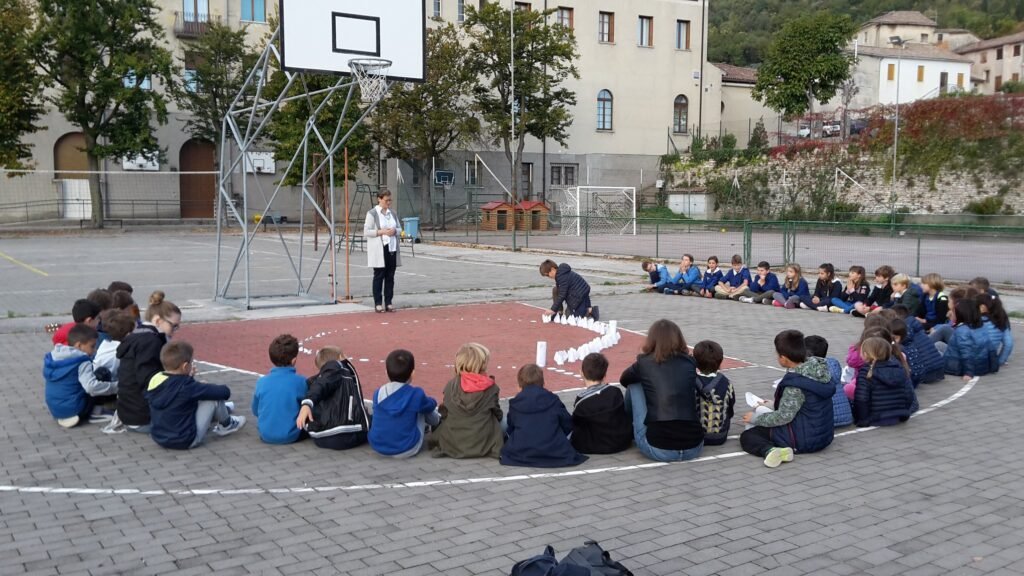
323,35
444,177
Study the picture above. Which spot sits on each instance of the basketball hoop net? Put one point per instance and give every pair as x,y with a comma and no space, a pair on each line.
371,73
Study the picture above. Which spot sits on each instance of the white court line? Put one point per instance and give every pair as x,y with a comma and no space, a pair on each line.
417,483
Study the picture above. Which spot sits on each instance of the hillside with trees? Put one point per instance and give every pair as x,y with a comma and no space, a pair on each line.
740,30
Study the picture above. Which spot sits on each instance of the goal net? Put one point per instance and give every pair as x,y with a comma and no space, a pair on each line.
598,210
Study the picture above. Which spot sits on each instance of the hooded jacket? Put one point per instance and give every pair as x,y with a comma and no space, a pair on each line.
812,429
395,408
671,391
275,402
600,424
173,399
470,419
573,290
336,399
884,398
538,431
970,353
925,362
139,354
717,402
65,396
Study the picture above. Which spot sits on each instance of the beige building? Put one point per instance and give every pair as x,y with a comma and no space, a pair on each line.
907,24
996,61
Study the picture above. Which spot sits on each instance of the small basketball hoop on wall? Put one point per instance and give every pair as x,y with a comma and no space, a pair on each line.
371,73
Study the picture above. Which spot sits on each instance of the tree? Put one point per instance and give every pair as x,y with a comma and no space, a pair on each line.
544,57
417,122
215,68
20,82
103,57
850,90
806,61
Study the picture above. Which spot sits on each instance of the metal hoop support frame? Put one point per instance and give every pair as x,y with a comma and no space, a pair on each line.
371,74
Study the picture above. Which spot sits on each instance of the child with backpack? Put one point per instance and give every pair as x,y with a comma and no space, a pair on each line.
402,413
717,396
802,420
600,424
538,426
333,411
278,395
470,415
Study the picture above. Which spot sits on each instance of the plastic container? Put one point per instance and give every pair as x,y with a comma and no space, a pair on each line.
411,226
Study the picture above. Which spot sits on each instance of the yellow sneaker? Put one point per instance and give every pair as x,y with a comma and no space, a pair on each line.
777,456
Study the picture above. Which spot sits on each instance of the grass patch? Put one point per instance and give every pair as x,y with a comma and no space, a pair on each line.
1016,314
660,212
12,314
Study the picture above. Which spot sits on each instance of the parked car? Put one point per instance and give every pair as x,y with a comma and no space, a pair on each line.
831,129
858,125
804,131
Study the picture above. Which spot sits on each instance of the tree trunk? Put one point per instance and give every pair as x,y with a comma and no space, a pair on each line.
513,169
419,168
95,193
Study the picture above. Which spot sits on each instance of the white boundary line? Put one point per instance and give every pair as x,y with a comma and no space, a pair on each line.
417,484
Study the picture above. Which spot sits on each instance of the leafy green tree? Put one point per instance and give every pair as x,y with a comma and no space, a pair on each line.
417,122
215,67
1012,87
757,145
101,56
544,57
806,61
20,82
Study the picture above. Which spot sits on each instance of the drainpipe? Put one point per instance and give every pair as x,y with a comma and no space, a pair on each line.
703,43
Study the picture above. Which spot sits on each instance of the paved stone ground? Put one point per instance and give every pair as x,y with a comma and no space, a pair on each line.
941,494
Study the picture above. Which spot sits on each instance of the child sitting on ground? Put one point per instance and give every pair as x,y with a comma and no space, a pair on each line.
925,362
401,412
712,276
659,276
802,420
906,293
856,290
764,286
573,290
736,282
817,347
885,395
119,325
687,280
825,289
72,388
880,295
278,395
333,412
85,312
981,284
717,397
538,426
968,352
934,309
470,415
793,289
600,424
996,324
183,410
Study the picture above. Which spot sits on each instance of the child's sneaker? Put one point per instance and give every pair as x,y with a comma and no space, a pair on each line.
804,306
595,313
746,299
777,456
236,423
229,405
822,308
836,310
778,304
69,422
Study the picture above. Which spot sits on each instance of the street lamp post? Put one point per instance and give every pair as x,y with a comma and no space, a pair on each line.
901,43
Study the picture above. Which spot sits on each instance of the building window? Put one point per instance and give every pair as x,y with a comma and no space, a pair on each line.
564,16
645,31
920,73
472,173
526,182
999,53
604,110
682,34
984,57
890,72
1016,77
130,81
924,38
196,10
462,10
680,114
1016,50
524,6
253,11
960,80
437,8
606,27
190,80
564,174
999,83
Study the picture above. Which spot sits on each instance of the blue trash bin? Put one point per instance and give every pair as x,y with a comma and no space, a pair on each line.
412,228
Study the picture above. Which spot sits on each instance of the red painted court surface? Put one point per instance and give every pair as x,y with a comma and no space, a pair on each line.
509,330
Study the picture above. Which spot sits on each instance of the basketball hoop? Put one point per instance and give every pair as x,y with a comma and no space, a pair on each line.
371,73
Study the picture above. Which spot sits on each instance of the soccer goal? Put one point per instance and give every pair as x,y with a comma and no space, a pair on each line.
598,210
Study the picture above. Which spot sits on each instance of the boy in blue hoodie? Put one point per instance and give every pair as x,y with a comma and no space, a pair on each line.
658,275
279,394
71,384
182,410
712,276
687,280
803,418
538,426
401,412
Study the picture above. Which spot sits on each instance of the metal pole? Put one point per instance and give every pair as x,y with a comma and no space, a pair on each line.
896,138
348,234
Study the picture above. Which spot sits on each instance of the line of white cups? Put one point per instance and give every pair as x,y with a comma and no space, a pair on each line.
608,336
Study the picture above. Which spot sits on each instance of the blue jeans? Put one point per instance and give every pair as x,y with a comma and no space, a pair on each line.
846,306
941,333
209,413
636,404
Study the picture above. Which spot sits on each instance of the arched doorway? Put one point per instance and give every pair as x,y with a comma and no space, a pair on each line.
70,163
197,191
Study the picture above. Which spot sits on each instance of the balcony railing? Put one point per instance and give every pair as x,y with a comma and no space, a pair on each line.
192,24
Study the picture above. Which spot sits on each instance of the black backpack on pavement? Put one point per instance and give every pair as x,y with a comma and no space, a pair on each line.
587,560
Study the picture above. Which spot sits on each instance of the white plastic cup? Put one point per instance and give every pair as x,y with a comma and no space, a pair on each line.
542,354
